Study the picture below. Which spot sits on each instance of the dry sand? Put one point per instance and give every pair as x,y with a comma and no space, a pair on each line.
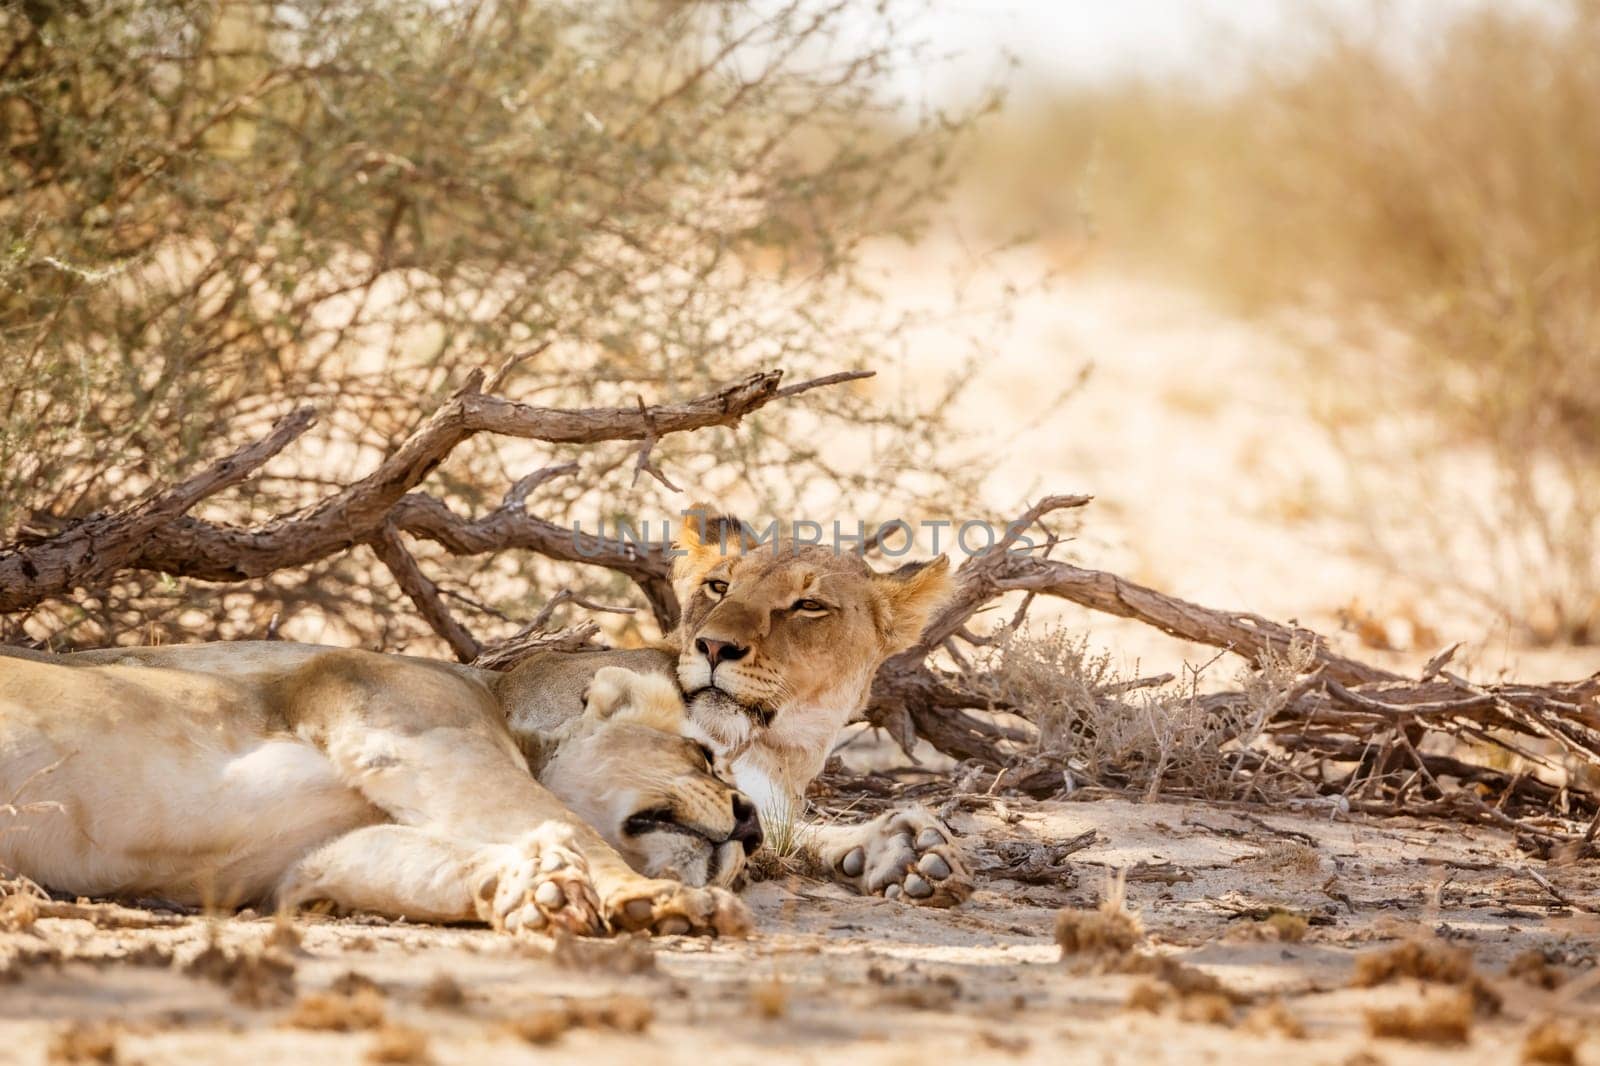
831,977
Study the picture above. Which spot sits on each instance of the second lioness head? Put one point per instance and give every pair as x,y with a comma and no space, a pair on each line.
779,643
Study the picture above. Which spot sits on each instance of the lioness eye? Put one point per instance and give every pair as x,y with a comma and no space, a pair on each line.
717,587
707,754
810,605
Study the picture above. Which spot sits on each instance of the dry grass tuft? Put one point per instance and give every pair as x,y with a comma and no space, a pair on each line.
84,1043
1206,1008
1534,967
770,998
623,1014
1426,960
444,993
1274,1017
1196,995
1109,929
337,1012
253,978
1149,996
632,954
18,912
284,936
1441,1019
1100,931
1551,1043
1290,856
939,993
1431,960
399,1044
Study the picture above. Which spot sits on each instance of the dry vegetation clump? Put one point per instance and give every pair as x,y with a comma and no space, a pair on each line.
1424,959
938,993
1109,930
770,998
284,936
628,954
1274,1017
82,1044
1288,855
353,983
1438,1019
1429,960
337,1012
252,976
444,993
1149,735
1195,995
399,1044
1551,1043
1535,967
624,1014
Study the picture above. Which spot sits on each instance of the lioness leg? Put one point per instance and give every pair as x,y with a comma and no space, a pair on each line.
454,771
539,882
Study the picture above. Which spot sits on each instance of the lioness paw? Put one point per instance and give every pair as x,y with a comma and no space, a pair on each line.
673,909
907,855
538,885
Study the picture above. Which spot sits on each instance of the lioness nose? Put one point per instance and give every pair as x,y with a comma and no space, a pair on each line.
746,824
720,651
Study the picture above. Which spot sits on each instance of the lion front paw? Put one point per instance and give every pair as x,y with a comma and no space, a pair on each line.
907,855
672,909
540,884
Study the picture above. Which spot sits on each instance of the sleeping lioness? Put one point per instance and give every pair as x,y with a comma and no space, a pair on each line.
266,770
287,773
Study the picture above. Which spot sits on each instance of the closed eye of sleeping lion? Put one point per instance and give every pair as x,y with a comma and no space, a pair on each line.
288,773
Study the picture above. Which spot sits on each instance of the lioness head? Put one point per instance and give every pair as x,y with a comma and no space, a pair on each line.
779,644
626,767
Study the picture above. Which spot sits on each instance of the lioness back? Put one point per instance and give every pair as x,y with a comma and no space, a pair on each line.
131,778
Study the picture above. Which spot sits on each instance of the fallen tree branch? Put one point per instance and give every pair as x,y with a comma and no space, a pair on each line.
89,551
391,551
156,536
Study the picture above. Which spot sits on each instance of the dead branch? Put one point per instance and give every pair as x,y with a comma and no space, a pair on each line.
156,536
391,551
89,551
504,654
1340,713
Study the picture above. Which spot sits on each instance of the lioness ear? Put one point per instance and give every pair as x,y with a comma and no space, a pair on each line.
908,597
617,694
704,537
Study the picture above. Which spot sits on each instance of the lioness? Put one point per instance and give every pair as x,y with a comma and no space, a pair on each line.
288,773
403,786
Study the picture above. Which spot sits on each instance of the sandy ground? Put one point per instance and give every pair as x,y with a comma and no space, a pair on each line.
831,977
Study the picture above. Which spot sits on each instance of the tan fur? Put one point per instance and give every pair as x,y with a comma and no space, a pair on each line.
778,709
774,713
237,771
226,773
